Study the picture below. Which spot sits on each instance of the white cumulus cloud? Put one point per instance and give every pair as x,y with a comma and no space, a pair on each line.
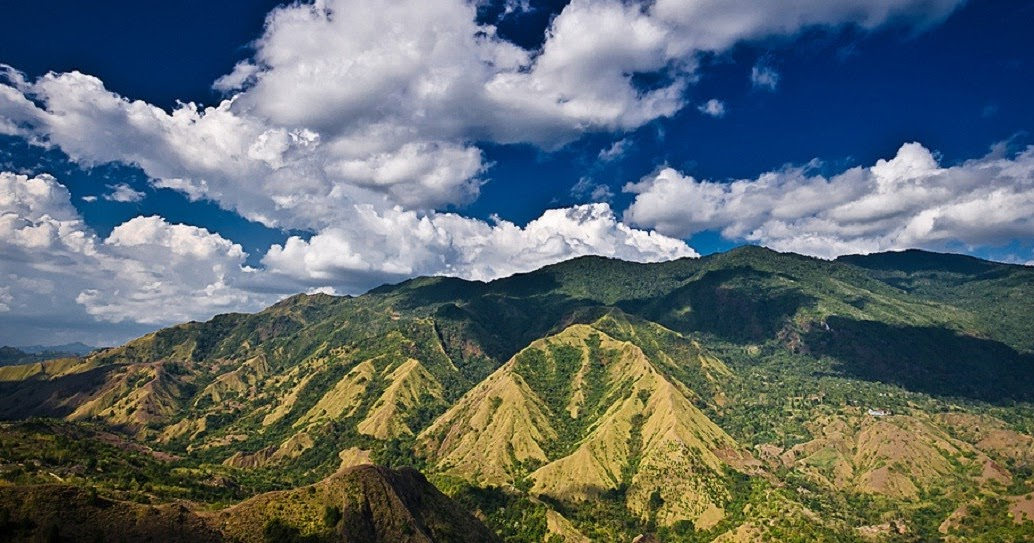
378,246
713,108
122,192
907,201
57,272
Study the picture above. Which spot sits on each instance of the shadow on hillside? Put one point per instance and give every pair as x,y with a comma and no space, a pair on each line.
738,304
424,292
524,285
936,361
49,398
503,325
919,262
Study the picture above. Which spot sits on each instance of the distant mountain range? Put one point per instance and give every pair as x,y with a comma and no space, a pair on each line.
76,348
36,353
743,396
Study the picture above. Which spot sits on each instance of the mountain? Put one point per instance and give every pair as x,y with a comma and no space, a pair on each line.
364,504
581,414
743,396
35,353
997,294
68,349
12,356
53,512
358,505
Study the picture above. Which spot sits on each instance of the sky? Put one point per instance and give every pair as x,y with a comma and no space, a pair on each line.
162,162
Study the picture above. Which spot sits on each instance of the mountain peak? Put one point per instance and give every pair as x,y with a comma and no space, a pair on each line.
374,505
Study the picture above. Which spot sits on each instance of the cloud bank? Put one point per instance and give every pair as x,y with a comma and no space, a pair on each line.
147,271
907,201
401,244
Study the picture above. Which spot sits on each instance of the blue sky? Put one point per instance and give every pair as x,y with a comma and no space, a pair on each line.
167,162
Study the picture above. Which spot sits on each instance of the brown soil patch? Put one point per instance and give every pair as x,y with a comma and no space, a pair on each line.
1022,508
